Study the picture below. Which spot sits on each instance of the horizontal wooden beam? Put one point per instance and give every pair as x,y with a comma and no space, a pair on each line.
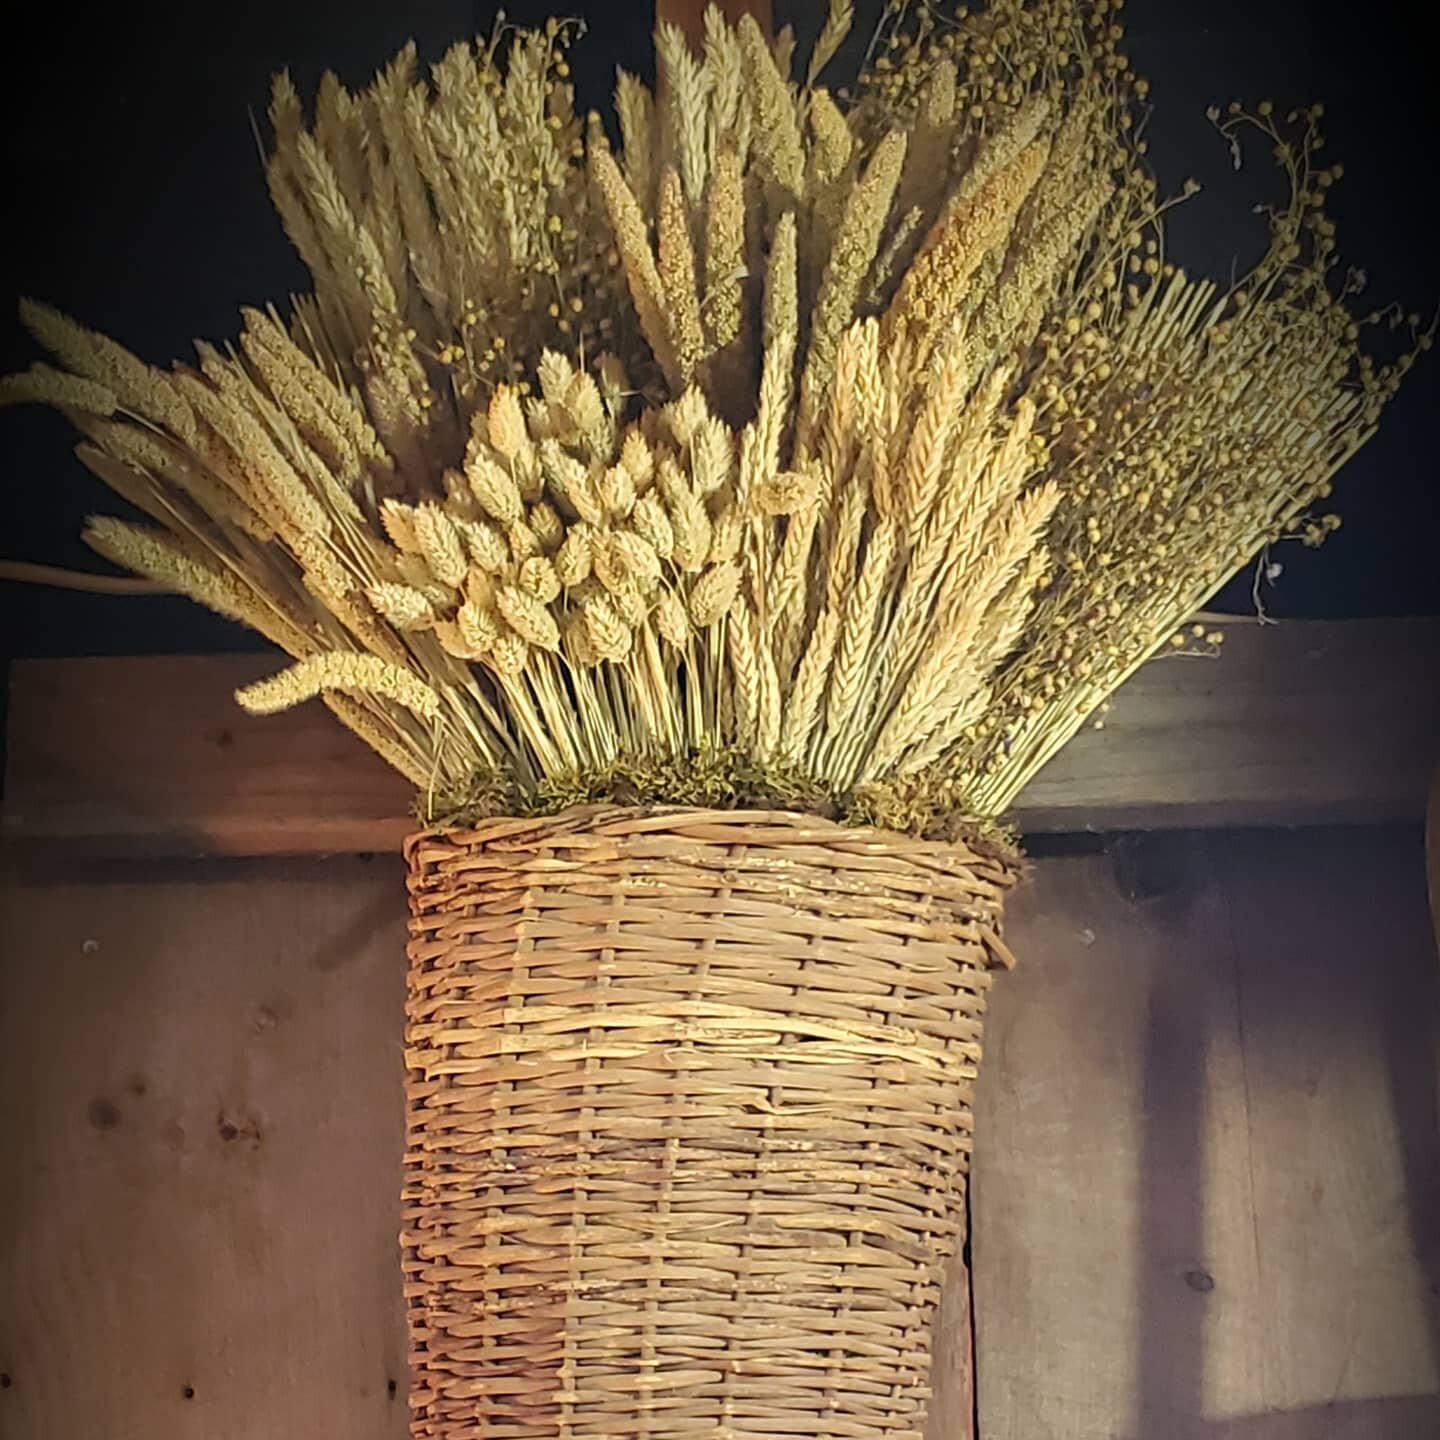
1303,723
689,15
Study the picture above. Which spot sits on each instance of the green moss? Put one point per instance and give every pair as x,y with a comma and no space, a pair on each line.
724,778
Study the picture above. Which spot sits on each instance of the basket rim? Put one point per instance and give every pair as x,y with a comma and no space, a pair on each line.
972,844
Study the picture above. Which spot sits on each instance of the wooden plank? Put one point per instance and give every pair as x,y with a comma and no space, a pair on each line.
1318,721
952,1361
1207,1153
1432,851
689,15
152,756
201,1091
1315,722
1322,1142
1055,1230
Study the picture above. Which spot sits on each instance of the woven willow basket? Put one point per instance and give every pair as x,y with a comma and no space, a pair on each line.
689,1121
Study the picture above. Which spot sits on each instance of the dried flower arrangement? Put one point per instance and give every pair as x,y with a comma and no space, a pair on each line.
836,455
850,456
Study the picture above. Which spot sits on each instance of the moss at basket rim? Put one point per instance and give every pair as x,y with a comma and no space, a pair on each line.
723,778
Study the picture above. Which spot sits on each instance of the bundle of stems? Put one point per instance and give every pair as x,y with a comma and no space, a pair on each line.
846,448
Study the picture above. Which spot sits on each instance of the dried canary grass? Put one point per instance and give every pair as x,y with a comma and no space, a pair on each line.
844,455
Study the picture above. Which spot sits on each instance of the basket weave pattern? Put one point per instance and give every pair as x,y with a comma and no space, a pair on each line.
688,1121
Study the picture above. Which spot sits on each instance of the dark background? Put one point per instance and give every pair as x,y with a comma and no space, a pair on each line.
137,204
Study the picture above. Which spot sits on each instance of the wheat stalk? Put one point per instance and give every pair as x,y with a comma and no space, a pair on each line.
354,673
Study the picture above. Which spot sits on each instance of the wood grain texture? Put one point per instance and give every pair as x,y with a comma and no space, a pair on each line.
1207,1186
152,756
1432,851
1315,722
689,15
201,1091
1312,722
1206,1181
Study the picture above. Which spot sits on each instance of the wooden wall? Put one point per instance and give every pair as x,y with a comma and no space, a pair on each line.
1207,1189
1322,722
1206,1198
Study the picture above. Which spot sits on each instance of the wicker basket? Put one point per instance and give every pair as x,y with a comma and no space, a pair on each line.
689,1121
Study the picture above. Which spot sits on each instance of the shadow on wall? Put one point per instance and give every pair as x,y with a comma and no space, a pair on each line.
1292,1001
